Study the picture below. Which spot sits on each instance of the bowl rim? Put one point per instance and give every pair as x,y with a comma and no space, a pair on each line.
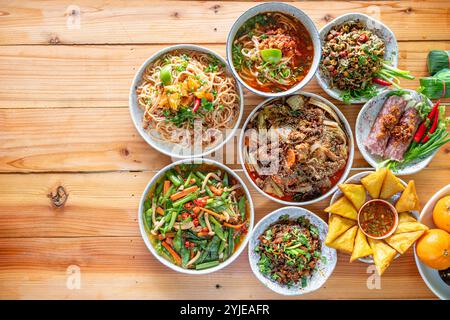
345,17
132,103
393,210
283,8
445,190
278,211
146,239
359,139
348,166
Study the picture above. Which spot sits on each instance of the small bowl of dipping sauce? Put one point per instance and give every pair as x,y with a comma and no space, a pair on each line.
378,219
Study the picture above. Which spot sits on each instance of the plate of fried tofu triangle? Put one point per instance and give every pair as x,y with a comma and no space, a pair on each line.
373,217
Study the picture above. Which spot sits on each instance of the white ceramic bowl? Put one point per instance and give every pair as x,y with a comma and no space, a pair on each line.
145,236
431,276
286,9
323,269
392,200
364,122
391,51
172,149
348,166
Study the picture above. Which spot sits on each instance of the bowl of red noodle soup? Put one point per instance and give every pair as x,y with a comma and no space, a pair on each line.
273,49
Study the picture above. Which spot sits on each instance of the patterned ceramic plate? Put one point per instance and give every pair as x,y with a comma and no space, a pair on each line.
357,179
391,52
431,276
364,123
323,269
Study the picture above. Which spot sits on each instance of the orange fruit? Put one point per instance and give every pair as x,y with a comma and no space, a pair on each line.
433,249
441,214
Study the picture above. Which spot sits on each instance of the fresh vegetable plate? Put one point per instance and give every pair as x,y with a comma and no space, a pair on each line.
364,122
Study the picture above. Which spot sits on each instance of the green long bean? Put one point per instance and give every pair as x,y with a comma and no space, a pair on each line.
168,194
186,199
207,265
172,177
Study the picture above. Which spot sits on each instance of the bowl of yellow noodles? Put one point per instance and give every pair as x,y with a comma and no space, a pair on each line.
184,101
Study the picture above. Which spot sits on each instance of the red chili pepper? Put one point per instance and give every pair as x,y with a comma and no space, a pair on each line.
196,104
195,221
381,82
363,38
187,244
200,202
205,229
184,215
423,126
343,53
433,127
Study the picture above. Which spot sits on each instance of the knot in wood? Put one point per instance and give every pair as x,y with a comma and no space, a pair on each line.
58,198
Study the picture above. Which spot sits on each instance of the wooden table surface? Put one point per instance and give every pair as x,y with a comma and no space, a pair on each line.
65,72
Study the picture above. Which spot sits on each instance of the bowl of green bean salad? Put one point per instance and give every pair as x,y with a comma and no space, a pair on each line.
195,216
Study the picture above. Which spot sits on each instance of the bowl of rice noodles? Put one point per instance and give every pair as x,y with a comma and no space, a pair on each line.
273,49
184,101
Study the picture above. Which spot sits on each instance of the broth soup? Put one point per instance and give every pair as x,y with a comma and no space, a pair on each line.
272,52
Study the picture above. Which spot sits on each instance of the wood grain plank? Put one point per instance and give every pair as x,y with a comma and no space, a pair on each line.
100,76
96,139
64,108
60,22
106,204
123,268
104,139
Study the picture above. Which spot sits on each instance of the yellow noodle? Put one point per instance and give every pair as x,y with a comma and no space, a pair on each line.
153,99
